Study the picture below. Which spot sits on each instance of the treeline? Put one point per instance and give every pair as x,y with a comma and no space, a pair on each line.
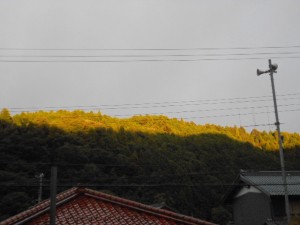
80,121
151,159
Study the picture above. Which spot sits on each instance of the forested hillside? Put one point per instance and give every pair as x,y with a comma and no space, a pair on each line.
151,159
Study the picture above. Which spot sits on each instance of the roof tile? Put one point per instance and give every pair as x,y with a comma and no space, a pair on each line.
271,182
89,207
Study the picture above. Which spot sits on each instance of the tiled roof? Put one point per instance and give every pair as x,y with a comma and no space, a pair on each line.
270,182
86,206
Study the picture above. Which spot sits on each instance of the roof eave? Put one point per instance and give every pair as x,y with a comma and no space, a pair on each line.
39,209
250,183
228,197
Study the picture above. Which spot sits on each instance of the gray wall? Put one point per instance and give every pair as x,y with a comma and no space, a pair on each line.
251,209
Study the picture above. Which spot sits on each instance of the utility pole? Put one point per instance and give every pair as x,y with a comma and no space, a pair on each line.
53,188
53,185
272,69
40,192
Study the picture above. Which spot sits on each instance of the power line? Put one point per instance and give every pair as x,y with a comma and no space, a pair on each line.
195,117
240,114
143,166
170,103
105,178
258,125
147,56
149,185
210,110
149,49
176,104
177,112
144,60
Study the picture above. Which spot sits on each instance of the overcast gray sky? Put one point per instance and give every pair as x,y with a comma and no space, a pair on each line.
224,77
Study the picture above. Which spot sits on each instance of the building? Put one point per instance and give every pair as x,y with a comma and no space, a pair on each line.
86,206
258,197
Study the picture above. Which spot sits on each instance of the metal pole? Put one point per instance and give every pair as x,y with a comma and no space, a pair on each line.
286,197
53,195
40,187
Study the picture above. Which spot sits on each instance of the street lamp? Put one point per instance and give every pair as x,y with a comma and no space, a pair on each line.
272,69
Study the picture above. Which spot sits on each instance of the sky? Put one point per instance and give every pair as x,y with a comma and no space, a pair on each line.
189,59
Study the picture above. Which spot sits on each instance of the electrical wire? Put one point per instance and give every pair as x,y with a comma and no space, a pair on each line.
150,185
240,114
190,111
170,104
147,56
144,60
240,100
207,110
185,118
149,49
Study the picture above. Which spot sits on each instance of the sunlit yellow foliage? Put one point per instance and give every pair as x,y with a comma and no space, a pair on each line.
80,121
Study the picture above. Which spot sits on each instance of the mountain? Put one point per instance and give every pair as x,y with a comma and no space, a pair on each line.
152,159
